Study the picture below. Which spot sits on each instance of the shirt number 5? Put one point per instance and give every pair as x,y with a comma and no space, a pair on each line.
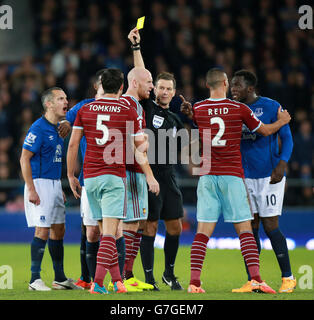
102,127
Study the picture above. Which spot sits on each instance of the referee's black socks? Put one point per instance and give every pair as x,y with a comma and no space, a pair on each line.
170,249
147,256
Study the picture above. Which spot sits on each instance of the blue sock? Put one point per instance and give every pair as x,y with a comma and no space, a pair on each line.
91,257
120,243
37,252
258,243
56,252
279,244
85,276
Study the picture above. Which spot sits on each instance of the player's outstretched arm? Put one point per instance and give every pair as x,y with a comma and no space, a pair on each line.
135,39
269,129
71,161
27,175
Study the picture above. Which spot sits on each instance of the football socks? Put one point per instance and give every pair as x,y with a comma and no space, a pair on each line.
37,252
198,253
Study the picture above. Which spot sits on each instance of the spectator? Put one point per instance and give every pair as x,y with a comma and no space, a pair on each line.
302,160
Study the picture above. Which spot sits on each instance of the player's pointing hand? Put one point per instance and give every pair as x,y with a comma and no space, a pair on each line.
186,107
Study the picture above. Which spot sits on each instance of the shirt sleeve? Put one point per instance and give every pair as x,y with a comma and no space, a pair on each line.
33,140
78,121
286,143
249,118
137,128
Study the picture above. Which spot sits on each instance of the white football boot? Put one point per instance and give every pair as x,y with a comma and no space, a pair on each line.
38,285
68,284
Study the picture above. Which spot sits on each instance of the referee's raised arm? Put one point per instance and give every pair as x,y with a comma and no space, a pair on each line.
135,38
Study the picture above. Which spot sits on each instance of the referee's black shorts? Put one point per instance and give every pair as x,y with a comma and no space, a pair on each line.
168,204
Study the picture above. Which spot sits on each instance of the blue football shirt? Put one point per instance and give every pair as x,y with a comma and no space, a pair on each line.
260,155
44,141
71,115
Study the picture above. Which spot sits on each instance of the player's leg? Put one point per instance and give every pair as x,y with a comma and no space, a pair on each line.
137,211
172,212
271,208
147,251
84,279
120,244
236,209
279,245
113,209
92,234
208,211
198,253
255,229
248,248
40,218
155,204
89,243
38,245
171,246
129,232
56,250
92,245
55,241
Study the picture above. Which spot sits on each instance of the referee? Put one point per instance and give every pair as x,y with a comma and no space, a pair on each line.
168,204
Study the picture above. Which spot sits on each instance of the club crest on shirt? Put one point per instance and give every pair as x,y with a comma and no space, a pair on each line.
58,154
158,121
258,112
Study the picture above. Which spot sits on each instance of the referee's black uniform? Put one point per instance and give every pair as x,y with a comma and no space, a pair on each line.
168,204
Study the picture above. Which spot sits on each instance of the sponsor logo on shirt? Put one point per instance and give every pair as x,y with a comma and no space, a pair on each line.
247,134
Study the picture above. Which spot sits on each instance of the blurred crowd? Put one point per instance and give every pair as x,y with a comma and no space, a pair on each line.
75,38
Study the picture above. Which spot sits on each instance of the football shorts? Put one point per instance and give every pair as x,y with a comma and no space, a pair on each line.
225,195
137,196
168,204
85,210
266,199
51,209
106,196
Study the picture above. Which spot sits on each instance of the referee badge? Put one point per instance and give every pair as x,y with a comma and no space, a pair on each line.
158,121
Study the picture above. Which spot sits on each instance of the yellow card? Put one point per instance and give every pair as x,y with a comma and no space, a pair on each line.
140,23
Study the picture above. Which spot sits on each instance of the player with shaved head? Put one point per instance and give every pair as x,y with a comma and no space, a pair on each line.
168,205
140,84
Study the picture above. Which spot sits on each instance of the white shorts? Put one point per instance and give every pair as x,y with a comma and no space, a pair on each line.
51,209
266,199
86,212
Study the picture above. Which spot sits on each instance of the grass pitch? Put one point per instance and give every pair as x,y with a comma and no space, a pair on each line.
222,271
